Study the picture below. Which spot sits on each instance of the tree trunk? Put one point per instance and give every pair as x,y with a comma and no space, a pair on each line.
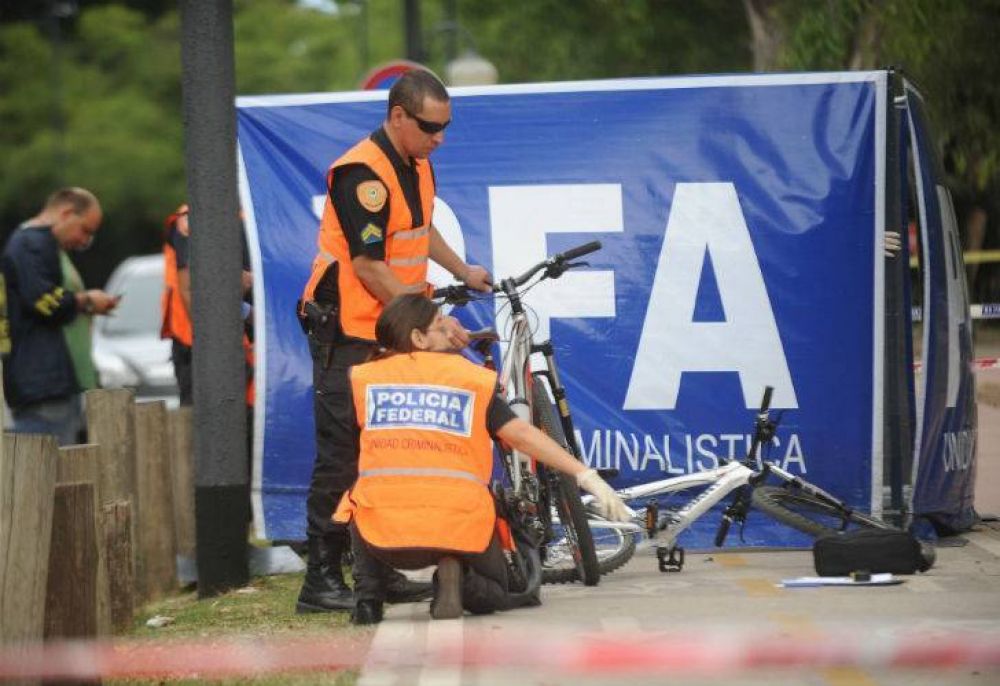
865,47
975,238
768,35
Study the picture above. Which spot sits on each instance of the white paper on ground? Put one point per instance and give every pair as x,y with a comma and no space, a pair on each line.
876,580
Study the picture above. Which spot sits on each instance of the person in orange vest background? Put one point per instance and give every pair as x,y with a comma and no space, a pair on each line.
176,304
375,238
427,418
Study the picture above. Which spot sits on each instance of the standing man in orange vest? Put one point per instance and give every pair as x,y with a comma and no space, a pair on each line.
175,303
375,238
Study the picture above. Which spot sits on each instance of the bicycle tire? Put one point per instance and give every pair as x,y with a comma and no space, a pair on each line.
566,496
808,514
614,546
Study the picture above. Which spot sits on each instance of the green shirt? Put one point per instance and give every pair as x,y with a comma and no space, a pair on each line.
77,332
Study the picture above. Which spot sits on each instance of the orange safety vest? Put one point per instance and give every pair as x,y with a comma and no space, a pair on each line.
176,322
250,396
426,456
406,246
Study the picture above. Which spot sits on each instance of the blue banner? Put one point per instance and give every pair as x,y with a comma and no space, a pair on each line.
742,223
945,446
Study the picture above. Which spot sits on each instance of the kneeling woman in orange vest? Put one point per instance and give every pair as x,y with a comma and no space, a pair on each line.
427,419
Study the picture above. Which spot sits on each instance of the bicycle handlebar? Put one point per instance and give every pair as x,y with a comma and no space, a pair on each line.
555,266
455,294
763,427
765,403
581,250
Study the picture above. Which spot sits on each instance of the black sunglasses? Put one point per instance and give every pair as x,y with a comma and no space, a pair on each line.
428,127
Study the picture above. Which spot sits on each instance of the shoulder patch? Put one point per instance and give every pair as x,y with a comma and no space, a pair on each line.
371,234
372,195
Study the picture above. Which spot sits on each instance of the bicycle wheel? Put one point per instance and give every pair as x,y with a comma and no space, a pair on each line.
808,514
575,534
614,547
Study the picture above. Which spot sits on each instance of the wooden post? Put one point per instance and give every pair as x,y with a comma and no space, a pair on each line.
27,486
79,463
111,425
154,517
182,469
116,526
82,463
71,597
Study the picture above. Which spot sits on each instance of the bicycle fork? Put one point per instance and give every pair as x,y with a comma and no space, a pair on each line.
551,373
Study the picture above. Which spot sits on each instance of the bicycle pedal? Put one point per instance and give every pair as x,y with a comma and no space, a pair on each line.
670,559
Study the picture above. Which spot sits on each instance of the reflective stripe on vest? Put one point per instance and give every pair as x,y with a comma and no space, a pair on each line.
406,245
406,261
411,235
420,471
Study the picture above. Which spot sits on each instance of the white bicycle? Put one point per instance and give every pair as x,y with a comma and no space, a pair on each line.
793,501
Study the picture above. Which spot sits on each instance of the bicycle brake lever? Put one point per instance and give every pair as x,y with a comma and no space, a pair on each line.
558,268
723,531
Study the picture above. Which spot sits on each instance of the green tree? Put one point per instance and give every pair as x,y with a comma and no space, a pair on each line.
112,122
548,40
945,47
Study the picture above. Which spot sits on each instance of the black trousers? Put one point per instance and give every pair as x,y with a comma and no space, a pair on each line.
180,355
336,465
373,565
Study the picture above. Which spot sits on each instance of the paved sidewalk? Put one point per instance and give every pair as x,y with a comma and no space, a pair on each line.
729,594
988,446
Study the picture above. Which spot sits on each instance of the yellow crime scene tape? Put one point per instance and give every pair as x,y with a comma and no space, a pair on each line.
971,257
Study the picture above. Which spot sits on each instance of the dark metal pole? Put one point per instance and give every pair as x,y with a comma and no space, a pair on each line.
414,39
365,50
221,492
451,11
57,12
897,442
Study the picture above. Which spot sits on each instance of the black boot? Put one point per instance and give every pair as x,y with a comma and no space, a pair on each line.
482,595
400,589
448,589
367,612
324,588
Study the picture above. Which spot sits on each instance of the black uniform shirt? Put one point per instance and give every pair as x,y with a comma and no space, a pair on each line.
355,217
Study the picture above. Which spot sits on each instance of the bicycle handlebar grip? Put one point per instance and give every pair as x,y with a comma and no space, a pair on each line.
581,250
765,404
454,294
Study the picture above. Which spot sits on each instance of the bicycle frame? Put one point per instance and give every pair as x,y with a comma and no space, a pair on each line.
720,482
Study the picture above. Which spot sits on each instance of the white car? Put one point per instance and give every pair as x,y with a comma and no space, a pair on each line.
127,349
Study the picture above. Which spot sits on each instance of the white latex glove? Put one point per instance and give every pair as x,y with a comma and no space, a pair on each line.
608,502
893,243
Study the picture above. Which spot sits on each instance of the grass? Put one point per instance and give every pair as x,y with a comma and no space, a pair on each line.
264,608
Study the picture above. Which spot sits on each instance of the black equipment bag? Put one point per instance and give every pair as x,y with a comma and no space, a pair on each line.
878,551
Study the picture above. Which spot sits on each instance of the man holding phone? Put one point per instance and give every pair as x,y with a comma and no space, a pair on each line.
49,364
